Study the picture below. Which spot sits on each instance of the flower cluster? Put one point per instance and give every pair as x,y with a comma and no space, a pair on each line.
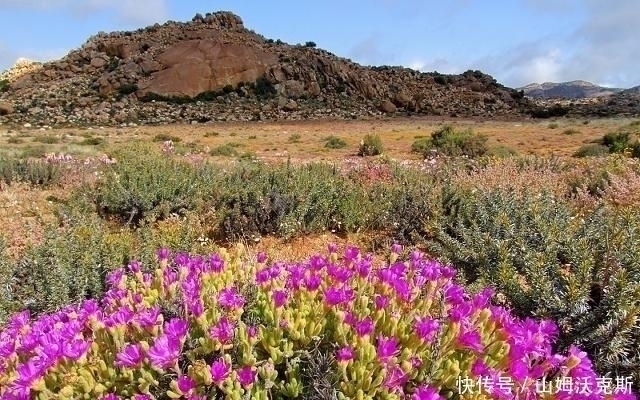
223,325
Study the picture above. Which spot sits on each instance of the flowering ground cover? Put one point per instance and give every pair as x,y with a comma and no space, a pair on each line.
341,326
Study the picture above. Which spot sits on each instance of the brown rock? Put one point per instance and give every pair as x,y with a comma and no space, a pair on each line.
314,89
387,106
6,108
198,66
290,105
402,99
98,62
293,89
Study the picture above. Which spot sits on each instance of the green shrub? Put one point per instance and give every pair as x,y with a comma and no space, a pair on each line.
15,140
163,137
92,141
617,142
47,139
145,183
549,263
453,142
371,145
570,131
310,44
4,85
35,172
501,151
334,142
422,146
294,138
553,125
224,150
211,134
592,150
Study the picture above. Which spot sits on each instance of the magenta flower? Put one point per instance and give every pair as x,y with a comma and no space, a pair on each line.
186,383
261,257
312,282
30,371
220,370
471,340
223,330
364,327
115,277
141,396
426,328
387,347
381,301
246,375
395,378
230,298
75,348
176,327
134,266
110,396
332,247
165,351
163,253
130,356
334,296
148,318
426,393
252,331
396,248
345,353
279,297
263,276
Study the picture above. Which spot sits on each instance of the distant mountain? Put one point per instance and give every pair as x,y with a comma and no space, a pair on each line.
567,90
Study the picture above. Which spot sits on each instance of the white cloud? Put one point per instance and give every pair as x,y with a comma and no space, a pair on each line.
439,64
124,11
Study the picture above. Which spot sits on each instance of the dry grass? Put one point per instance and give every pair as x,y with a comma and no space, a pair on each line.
25,210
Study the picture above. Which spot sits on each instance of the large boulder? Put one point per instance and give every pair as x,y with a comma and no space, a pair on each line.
198,66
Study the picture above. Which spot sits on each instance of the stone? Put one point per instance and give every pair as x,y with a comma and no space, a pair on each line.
6,108
198,66
98,62
387,106
290,105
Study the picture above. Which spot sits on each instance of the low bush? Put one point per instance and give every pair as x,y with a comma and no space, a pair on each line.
451,142
34,172
46,139
328,327
163,137
616,142
224,150
579,271
334,142
294,138
592,150
371,145
144,183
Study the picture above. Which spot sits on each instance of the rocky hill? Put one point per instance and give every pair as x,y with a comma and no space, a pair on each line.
213,68
567,90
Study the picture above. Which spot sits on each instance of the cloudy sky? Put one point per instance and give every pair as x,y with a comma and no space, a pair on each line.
516,41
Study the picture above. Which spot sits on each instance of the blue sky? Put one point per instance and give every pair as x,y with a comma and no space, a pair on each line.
516,41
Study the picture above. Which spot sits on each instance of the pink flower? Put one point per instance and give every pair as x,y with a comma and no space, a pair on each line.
395,378
230,298
130,356
345,353
220,370
426,328
186,383
176,327
426,393
280,297
387,347
471,340
246,375
261,257
364,327
165,351
223,330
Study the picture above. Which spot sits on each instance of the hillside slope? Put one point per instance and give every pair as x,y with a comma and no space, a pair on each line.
213,68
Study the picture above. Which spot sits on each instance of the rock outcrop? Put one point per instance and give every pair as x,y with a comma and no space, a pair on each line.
213,68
